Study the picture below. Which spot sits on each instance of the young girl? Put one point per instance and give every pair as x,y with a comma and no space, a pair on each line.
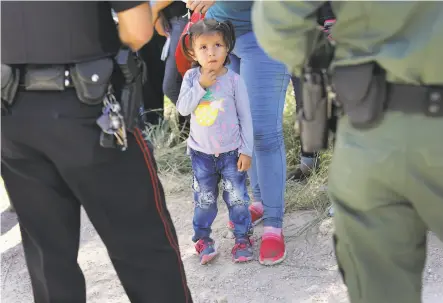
221,138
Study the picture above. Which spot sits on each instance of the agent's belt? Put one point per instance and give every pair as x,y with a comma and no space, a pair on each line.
45,77
91,79
415,99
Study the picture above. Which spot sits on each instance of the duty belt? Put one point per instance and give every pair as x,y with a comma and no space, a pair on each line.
412,99
46,74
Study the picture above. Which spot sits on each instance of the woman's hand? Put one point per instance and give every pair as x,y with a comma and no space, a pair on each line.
199,6
243,163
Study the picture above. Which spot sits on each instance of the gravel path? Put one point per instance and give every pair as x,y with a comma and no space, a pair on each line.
308,275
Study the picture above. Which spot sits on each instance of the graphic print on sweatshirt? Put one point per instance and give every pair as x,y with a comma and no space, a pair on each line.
207,110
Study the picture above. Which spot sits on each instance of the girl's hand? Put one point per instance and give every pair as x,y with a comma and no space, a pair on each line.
207,78
199,6
243,163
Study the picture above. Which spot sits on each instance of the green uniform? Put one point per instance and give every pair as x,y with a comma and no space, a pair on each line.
386,182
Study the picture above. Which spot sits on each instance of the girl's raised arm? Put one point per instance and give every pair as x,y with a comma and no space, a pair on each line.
191,93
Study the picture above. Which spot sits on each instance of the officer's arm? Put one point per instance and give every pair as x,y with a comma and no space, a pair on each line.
286,30
157,6
134,22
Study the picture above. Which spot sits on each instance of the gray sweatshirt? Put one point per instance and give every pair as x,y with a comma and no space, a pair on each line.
220,115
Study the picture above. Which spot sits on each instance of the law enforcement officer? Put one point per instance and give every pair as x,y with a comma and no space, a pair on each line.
386,177
61,53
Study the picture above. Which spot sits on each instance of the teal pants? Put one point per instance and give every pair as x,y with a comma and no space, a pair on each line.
386,185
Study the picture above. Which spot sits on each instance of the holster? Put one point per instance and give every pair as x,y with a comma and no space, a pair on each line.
10,81
131,100
92,79
362,92
314,115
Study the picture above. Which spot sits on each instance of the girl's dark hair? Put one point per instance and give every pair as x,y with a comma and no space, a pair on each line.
206,26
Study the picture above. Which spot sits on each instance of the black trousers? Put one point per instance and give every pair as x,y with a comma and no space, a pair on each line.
50,143
153,88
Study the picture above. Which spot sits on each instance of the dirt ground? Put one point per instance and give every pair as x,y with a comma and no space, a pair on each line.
309,273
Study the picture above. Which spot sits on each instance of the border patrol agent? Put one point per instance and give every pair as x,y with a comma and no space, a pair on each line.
57,58
386,176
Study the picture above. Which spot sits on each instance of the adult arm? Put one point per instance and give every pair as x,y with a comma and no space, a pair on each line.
134,22
199,6
286,30
158,18
191,93
244,117
157,7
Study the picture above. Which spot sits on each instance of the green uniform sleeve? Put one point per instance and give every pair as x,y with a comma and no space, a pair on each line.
286,30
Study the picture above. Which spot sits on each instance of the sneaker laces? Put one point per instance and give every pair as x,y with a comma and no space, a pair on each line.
241,245
200,245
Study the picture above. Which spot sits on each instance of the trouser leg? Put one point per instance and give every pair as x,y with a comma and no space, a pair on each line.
49,218
380,238
267,83
153,87
308,161
205,187
11,203
125,201
235,194
173,80
425,176
120,192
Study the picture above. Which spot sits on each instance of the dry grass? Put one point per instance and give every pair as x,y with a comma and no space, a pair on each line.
175,168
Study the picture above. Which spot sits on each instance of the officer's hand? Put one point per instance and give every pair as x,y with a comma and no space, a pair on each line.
243,163
207,78
199,6
160,26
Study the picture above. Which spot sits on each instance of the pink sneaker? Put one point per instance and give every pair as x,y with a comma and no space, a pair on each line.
206,251
256,217
242,251
272,249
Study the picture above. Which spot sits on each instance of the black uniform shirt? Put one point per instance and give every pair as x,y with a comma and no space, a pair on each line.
56,32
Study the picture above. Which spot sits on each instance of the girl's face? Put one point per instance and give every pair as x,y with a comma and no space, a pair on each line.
210,51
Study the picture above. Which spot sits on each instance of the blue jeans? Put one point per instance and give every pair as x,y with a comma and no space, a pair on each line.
173,80
266,81
208,171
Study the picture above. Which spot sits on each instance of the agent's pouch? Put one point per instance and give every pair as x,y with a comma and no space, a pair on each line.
92,79
10,81
362,91
314,115
44,78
